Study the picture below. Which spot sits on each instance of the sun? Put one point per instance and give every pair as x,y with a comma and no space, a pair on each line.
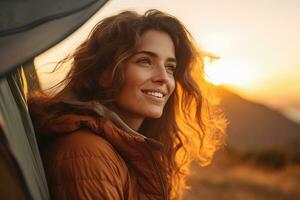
224,68
232,73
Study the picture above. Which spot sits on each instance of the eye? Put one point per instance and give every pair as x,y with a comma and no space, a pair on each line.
144,61
170,68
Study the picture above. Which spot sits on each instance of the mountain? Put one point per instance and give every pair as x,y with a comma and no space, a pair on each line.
256,126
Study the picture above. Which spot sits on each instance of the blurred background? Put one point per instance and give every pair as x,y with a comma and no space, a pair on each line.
257,77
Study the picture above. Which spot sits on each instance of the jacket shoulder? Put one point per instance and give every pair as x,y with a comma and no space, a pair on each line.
82,165
81,143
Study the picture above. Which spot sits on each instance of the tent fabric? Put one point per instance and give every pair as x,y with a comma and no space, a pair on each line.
27,28
12,183
19,132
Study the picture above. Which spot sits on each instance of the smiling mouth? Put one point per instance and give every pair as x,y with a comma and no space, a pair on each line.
154,93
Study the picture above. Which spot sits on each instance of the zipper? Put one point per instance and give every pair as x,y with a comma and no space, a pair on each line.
162,185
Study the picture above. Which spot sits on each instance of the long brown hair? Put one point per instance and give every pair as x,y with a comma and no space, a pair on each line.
191,127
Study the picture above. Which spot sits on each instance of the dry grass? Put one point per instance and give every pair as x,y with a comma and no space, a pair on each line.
226,179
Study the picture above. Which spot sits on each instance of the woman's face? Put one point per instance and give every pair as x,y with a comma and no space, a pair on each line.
148,79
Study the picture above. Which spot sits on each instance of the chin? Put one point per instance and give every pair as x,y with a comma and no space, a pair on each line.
155,114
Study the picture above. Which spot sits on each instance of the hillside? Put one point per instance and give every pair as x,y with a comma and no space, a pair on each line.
256,126
259,167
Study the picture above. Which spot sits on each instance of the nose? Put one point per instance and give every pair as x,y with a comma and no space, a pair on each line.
161,76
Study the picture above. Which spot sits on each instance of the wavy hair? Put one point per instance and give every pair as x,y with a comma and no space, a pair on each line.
191,126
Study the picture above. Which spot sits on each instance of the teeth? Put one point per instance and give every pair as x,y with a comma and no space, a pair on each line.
156,94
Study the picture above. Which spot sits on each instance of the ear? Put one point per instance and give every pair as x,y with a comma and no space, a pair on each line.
105,79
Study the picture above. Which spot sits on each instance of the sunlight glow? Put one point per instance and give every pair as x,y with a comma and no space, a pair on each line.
228,69
236,74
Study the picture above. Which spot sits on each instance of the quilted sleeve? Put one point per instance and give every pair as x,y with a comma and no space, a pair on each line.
83,165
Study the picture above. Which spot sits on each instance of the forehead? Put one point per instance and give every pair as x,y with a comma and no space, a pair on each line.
157,42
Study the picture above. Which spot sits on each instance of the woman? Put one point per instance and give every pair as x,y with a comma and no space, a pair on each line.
132,114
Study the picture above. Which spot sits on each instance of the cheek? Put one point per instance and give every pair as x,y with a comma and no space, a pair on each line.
128,91
134,79
172,86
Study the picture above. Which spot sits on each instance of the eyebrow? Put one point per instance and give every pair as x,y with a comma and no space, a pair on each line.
152,54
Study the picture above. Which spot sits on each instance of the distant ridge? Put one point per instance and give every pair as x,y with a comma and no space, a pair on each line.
255,126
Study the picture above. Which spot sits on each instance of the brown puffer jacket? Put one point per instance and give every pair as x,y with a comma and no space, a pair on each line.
99,157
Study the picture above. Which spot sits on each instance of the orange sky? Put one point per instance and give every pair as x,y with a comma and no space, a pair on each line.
257,41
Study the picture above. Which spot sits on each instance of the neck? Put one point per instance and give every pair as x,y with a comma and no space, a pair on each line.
132,120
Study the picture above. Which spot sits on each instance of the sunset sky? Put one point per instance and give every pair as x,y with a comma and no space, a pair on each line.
257,41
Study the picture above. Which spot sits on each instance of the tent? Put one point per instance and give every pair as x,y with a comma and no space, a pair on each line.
28,28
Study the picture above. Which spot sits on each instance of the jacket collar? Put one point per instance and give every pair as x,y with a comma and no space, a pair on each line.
104,112
142,154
